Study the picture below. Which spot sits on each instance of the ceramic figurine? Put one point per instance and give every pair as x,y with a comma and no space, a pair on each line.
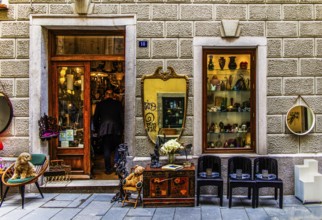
222,62
232,63
217,130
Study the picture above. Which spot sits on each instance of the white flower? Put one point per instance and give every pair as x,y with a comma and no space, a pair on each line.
171,146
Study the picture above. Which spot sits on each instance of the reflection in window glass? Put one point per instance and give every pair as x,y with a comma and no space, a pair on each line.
107,45
70,106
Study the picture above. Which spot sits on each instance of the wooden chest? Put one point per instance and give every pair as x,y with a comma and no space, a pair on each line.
169,188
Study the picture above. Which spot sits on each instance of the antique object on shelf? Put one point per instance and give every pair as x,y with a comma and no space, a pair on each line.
6,112
211,65
164,102
300,119
169,188
222,62
243,65
232,63
229,122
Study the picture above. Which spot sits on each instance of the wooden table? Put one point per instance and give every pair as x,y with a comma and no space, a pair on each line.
169,188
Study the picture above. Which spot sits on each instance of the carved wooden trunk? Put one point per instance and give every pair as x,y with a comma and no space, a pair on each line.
169,188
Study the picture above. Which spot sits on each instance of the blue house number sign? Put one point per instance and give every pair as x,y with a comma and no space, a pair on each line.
143,43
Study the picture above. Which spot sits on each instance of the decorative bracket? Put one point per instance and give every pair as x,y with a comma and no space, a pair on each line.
83,7
230,28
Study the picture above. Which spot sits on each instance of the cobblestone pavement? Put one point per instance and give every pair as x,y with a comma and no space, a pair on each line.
98,206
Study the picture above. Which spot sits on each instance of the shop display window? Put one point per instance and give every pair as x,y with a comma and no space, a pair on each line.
229,100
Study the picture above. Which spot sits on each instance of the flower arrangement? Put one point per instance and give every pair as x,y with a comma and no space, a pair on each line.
171,147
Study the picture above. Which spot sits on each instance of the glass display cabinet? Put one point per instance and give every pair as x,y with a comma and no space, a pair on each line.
229,96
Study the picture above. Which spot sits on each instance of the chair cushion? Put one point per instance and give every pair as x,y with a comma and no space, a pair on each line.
130,188
20,180
38,159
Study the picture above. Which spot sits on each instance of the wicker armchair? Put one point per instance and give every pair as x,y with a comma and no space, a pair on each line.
39,161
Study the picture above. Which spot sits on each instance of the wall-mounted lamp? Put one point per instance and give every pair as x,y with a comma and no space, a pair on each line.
83,7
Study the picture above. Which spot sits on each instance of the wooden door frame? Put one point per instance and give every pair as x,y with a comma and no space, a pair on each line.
55,152
75,59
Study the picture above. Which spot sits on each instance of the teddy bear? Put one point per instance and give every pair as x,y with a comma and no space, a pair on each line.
135,179
23,168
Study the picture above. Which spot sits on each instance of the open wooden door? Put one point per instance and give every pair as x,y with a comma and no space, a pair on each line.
80,60
69,102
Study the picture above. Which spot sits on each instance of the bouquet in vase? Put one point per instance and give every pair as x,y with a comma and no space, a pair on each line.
171,147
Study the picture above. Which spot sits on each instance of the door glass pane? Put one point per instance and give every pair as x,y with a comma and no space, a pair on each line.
104,45
228,102
70,106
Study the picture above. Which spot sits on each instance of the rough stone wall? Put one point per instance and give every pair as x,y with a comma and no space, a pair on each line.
293,29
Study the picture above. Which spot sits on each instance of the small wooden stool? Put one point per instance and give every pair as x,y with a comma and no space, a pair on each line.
127,191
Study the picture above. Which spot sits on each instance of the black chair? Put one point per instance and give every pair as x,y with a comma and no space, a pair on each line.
272,180
246,180
213,162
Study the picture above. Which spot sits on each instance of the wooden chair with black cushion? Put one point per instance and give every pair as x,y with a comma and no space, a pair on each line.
40,162
215,179
269,180
246,180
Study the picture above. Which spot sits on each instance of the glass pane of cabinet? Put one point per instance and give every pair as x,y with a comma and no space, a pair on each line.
229,96
70,106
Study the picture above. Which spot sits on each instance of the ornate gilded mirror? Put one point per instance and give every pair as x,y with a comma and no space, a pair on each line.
5,112
300,119
164,103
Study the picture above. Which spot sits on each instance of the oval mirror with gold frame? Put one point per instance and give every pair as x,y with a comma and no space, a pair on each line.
6,112
164,103
300,119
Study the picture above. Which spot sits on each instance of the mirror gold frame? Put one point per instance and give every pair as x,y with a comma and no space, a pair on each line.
6,112
159,90
300,119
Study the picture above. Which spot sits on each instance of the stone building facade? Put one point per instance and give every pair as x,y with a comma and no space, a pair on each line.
289,31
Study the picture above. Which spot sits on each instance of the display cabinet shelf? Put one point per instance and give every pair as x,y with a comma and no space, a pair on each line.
228,91
233,133
228,112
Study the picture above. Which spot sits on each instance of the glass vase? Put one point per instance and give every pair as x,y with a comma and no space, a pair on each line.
171,158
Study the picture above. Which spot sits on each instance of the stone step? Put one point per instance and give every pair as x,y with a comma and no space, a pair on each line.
81,186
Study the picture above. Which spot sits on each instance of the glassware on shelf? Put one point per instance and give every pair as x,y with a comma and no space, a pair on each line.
211,65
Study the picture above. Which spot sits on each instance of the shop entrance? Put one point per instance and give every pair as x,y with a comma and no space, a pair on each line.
83,66
107,81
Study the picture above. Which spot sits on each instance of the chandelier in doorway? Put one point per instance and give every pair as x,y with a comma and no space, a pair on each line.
108,74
